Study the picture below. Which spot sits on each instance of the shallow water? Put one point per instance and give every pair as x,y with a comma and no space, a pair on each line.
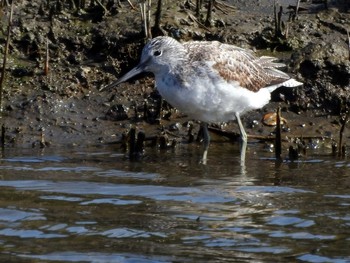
94,205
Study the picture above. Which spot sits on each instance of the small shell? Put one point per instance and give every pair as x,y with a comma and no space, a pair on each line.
270,119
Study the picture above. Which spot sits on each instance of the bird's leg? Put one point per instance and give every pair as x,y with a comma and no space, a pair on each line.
244,136
206,141
243,152
244,139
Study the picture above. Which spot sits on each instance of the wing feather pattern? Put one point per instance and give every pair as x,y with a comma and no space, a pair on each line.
235,64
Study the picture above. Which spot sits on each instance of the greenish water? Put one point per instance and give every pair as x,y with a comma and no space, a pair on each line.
94,205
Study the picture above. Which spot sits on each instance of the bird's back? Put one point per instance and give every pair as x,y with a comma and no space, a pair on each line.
235,64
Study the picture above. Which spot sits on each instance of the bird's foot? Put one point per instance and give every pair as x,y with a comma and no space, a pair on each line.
204,158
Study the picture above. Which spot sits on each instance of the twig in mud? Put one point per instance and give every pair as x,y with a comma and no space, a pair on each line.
156,28
4,3
277,20
198,7
340,145
209,14
278,141
222,6
2,77
102,6
286,31
149,18
348,43
43,142
132,6
2,142
297,9
194,19
132,142
145,8
140,143
46,65
136,145
275,15
143,16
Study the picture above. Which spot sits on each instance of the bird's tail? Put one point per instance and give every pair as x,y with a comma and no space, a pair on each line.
282,79
290,83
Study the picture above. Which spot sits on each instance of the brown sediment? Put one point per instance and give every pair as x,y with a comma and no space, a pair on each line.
91,46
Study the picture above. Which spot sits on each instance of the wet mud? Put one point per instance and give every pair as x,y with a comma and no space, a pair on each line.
63,52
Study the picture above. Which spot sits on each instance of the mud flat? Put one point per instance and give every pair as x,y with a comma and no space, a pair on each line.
91,46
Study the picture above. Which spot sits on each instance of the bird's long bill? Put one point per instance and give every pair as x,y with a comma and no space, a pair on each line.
135,71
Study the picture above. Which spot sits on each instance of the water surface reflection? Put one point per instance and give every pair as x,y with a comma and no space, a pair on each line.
93,205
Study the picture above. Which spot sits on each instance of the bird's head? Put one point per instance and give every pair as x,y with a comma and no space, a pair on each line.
158,55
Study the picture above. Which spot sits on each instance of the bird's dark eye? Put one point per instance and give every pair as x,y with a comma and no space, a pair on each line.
157,53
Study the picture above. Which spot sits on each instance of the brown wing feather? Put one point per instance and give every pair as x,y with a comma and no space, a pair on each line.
236,64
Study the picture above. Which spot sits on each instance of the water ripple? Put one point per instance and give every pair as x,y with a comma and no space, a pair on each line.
13,215
96,257
160,193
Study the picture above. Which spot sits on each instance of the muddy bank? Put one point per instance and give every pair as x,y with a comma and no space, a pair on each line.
91,46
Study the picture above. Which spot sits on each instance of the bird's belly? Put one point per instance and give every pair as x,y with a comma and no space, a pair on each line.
211,103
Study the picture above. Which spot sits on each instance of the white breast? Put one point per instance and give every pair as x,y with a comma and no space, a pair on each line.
210,101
